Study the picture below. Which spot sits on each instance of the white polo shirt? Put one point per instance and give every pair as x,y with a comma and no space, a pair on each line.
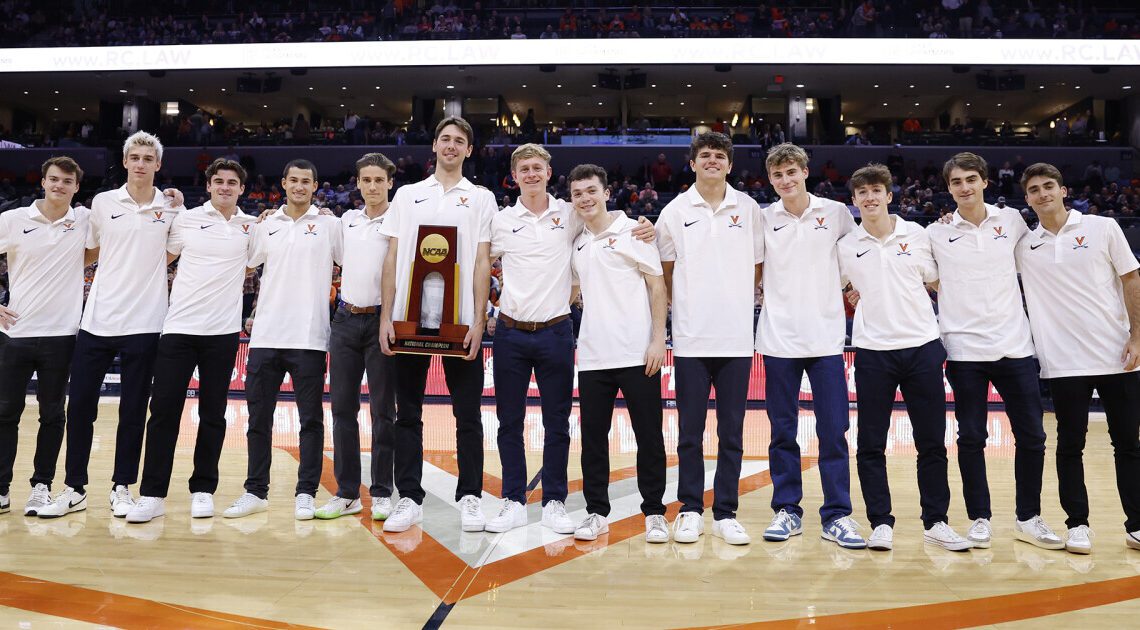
293,304
365,247
894,311
206,298
979,300
1075,296
536,259
45,270
466,206
803,313
129,293
617,323
715,251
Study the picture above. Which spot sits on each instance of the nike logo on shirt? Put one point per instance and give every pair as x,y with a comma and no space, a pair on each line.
274,232
955,238
116,216
31,230
860,254
581,246
1033,247
692,222
422,200
516,230
777,229
208,225
352,225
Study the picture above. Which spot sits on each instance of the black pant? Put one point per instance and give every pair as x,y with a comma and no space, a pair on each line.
178,355
93,358
918,373
1016,381
265,371
465,383
597,391
50,359
354,349
1120,395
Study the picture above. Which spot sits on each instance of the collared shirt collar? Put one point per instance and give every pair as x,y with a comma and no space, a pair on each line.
1073,220
158,201
814,203
464,183
617,226
552,205
991,212
695,198
280,214
900,229
35,214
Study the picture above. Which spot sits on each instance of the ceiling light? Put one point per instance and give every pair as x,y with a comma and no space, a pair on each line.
912,86
124,91
524,85
688,85
653,85
311,88
916,104
191,89
682,102
884,104
451,87
344,87
559,85
1128,87
724,85
876,85
57,91
223,89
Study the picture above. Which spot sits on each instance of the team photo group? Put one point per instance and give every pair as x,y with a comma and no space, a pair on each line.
977,298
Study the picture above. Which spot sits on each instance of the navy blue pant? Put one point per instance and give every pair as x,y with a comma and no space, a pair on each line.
178,356
694,377
829,400
354,350
549,353
465,384
1120,396
1016,381
265,372
50,359
918,373
93,358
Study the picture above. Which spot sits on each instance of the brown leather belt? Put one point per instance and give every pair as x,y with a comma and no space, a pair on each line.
531,326
361,310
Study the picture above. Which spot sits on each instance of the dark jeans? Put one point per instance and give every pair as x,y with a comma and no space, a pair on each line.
178,355
695,376
93,357
465,383
597,391
50,359
918,373
832,419
1120,395
549,353
354,349
265,371
1016,381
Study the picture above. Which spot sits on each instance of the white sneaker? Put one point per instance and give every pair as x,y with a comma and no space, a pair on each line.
471,517
381,508
1132,539
5,504
688,527
338,507
593,526
305,507
554,517
121,501
65,502
980,533
1035,532
656,529
731,531
1080,540
245,505
510,516
944,536
882,538
201,505
406,514
146,509
39,499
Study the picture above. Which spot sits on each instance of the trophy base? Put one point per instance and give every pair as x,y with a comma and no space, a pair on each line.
448,342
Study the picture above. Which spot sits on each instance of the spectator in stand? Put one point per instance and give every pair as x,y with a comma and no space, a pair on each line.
662,173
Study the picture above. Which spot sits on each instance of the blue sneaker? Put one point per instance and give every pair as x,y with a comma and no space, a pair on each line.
784,526
844,532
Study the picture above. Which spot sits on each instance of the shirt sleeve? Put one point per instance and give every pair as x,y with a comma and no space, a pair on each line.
1118,251
5,229
758,224
665,245
259,248
391,225
487,212
496,243
646,257
846,221
175,239
93,227
929,266
338,242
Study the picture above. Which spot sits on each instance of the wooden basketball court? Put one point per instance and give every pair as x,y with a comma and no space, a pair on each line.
271,571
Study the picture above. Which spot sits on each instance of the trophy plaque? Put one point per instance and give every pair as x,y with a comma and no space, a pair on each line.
436,248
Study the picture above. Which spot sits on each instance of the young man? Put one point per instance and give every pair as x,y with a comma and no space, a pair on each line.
1083,294
445,198
802,328
534,334
298,247
622,346
45,247
888,261
200,333
123,316
354,349
711,243
987,339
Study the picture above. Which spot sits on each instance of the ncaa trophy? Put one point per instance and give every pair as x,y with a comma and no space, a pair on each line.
435,253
